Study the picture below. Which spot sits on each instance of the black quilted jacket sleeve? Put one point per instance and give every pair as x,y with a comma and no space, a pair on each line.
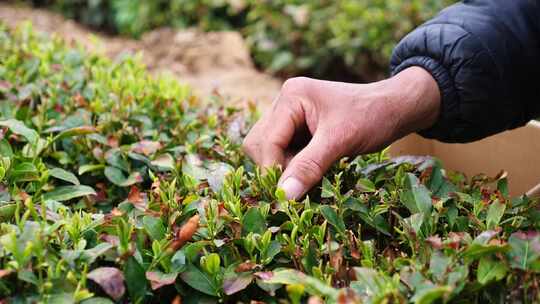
485,57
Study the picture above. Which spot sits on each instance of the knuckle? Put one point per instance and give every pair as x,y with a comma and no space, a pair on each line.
310,169
294,85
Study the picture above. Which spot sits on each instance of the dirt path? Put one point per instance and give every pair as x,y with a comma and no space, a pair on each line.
209,62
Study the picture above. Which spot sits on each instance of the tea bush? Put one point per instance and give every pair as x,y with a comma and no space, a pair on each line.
119,187
343,39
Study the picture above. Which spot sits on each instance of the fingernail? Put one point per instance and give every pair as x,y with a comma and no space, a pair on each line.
293,188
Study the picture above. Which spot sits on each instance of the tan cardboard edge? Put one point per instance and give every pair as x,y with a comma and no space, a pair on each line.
516,151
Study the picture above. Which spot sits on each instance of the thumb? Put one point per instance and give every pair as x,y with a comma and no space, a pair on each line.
308,166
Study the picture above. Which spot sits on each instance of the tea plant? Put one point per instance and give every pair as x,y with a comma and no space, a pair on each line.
343,39
119,187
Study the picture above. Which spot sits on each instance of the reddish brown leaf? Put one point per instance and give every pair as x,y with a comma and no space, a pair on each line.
232,285
186,232
97,152
435,241
110,279
146,147
136,198
116,212
355,254
158,279
5,272
112,141
454,240
155,187
80,100
246,266
264,275
177,300
111,239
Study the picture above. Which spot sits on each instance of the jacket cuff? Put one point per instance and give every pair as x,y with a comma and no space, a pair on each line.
449,109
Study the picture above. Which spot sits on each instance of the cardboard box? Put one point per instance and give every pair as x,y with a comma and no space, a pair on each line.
516,151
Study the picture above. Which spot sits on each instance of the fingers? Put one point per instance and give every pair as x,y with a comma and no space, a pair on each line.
268,140
308,167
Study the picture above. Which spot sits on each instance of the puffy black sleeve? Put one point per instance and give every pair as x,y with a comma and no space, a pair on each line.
485,57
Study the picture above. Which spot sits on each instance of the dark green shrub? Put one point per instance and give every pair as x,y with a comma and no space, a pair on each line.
118,186
345,39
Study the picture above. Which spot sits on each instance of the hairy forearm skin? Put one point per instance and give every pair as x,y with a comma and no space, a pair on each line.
414,100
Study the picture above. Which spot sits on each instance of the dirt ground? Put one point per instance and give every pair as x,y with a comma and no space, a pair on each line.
209,62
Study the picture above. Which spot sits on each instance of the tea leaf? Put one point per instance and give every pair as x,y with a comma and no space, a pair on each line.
235,282
525,250
64,175
365,185
110,279
159,279
332,217
115,176
154,227
164,162
77,131
135,279
66,193
24,172
198,280
417,198
495,213
253,221
490,270
19,128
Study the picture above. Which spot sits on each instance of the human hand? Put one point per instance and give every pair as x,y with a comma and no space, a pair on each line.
314,123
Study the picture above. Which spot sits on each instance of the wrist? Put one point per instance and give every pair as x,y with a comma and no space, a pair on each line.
414,99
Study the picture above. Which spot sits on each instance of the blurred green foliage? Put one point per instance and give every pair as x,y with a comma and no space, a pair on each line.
335,39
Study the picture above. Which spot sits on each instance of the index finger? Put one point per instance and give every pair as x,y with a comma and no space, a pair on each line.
267,142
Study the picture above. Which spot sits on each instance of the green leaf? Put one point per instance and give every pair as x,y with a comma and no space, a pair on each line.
64,175
154,227
525,250
24,172
495,214
431,294
372,283
77,131
417,198
19,128
199,280
291,277
481,247
253,221
7,211
5,148
490,270
135,278
502,185
90,255
117,177
66,193
164,162
332,217
327,189
365,185
438,185
89,168
97,300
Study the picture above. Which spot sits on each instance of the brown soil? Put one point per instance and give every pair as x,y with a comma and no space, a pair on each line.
209,62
